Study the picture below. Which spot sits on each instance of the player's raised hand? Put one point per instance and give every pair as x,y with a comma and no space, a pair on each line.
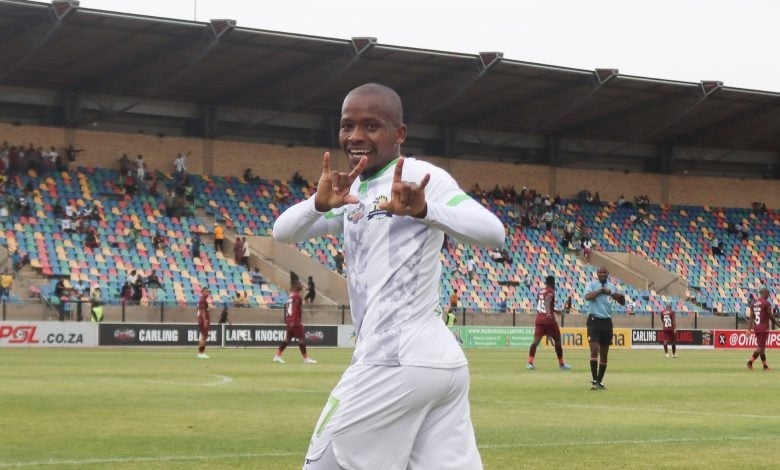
333,186
406,198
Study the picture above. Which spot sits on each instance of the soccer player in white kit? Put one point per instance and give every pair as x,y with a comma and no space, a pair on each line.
403,401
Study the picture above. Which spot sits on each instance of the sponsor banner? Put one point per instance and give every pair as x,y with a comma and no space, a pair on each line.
347,336
493,337
577,338
48,334
272,335
743,339
177,334
647,337
155,334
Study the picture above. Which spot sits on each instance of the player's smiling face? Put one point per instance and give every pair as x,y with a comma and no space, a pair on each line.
369,130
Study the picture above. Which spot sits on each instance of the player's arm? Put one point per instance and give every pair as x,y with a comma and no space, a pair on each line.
617,297
594,293
772,318
319,214
445,207
751,320
674,321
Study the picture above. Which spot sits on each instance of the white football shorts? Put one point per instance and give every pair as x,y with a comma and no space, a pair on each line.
404,417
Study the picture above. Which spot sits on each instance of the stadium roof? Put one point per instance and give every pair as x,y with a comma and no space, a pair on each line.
218,64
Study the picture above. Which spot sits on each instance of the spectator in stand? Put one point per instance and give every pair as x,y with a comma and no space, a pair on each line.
223,316
249,177
91,240
126,292
298,180
71,152
716,246
237,303
499,256
339,259
453,302
311,292
245,254
477,191
6,282
152,184
548,219
129,183
744,230
586,244
180,166
567,306
471,267
159,241
257,277
19,260
153,286
195,245
124,164
621,201
140,171
219,237
238,250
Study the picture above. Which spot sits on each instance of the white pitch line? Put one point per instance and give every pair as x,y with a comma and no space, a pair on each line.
643,410
222,380
630,441
120,460
184,458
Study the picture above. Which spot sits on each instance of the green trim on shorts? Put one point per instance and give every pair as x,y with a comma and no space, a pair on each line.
333,404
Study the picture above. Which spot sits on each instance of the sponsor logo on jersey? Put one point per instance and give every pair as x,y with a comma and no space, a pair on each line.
357,214
376,211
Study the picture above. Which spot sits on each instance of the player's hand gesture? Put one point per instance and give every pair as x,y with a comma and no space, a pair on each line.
333,186
406,198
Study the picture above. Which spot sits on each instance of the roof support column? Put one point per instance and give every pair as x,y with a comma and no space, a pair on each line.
552,150
449,141
71,108
665,159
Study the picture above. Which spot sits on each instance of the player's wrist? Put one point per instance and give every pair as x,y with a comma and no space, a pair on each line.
423,213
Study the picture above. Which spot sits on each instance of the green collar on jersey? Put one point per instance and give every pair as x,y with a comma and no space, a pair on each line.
364,182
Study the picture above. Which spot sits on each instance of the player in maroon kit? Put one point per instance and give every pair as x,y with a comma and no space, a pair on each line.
204,322
546,325
758,323
670,330
293,310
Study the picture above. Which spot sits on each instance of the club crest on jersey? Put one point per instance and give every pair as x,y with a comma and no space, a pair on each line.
376,211
356,214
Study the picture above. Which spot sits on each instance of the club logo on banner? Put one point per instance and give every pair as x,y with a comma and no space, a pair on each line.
742,339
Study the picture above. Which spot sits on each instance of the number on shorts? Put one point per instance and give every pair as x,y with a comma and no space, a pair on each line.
327,414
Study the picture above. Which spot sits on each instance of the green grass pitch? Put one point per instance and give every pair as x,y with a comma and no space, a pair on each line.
162,408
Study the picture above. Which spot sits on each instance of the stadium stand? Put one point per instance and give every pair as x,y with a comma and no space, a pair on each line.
676,238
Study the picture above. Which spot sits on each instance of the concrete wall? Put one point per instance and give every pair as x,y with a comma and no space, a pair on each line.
220,157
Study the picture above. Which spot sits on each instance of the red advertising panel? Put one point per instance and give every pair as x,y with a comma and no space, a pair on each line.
743,339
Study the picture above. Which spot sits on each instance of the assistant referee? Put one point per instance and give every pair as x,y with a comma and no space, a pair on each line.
599,293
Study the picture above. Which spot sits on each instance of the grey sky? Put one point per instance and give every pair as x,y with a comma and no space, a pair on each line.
734,41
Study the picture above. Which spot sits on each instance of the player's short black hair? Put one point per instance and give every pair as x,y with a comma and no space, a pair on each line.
549,281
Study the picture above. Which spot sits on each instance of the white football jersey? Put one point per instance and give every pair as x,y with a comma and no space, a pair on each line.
394,272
